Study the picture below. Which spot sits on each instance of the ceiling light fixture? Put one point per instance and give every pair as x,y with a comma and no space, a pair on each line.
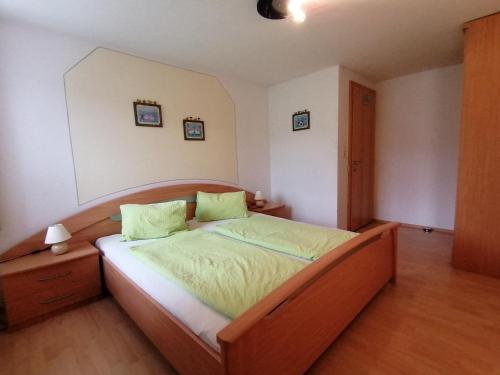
279,9
295,10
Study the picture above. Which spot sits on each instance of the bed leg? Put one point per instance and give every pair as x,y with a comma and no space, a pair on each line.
394,235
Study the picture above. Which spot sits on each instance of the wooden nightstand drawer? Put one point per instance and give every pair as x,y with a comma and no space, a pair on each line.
63,277
46,301
38,285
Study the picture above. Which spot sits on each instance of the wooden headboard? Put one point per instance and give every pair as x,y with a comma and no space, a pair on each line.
96,222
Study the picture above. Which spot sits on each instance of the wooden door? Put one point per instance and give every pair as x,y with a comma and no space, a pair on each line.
361,155
477,238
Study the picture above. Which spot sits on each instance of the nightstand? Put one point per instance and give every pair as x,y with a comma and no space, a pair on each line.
273,209
39,285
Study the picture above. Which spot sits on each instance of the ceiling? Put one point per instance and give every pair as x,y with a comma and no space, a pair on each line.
380,39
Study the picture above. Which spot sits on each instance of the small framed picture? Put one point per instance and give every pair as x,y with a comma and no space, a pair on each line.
194,130
147,114
301,120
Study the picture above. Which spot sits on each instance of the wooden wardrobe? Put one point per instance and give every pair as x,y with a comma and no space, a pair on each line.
477,222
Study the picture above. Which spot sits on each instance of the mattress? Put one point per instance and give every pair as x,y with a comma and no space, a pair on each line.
200,318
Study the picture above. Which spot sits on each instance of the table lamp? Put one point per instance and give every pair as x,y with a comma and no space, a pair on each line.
259,199
56,236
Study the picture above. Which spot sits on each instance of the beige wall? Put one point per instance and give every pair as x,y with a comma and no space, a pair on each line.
112,154
345,77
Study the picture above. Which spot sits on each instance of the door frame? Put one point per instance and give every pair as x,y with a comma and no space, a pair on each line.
353,84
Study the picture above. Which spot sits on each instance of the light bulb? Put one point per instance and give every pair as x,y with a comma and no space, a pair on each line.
299,16
295,9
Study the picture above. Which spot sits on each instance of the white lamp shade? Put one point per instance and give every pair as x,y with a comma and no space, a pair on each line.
258,195
57,233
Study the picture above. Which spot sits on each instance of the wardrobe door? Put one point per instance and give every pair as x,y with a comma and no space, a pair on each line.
477,222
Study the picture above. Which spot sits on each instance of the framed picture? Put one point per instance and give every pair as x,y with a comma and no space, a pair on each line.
147,114
301,120
194,130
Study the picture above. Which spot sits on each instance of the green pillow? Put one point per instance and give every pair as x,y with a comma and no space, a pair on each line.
222,206
145,221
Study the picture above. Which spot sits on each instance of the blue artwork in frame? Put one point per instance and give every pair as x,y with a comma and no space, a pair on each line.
194,129
301,120
147,113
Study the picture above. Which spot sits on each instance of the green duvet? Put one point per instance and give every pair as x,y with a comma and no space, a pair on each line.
286,236
227,275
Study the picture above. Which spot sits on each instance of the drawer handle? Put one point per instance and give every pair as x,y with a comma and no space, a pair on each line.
53,277
56,299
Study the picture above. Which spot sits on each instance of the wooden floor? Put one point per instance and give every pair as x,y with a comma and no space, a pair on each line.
435,320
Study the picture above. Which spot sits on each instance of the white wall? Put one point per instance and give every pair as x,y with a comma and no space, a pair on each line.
37,182
304,163
417,132
252,133
346,76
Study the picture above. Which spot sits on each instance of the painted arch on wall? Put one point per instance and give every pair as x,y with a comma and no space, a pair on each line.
112,154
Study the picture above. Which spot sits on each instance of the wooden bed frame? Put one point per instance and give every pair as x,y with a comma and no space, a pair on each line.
284,333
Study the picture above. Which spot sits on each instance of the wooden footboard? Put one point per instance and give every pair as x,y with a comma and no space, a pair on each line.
289,329
185,351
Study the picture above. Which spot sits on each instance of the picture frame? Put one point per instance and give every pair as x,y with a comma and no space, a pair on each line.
194,129
147,113
301,120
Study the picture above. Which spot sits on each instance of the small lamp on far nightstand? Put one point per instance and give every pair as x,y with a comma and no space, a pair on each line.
259,199
56,236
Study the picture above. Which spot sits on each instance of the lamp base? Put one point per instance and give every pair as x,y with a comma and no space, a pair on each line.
260,203
59,248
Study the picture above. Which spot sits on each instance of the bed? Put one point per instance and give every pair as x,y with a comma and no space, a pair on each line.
202,320
284,333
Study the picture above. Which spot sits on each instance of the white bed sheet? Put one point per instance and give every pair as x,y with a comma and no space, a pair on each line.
200,318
